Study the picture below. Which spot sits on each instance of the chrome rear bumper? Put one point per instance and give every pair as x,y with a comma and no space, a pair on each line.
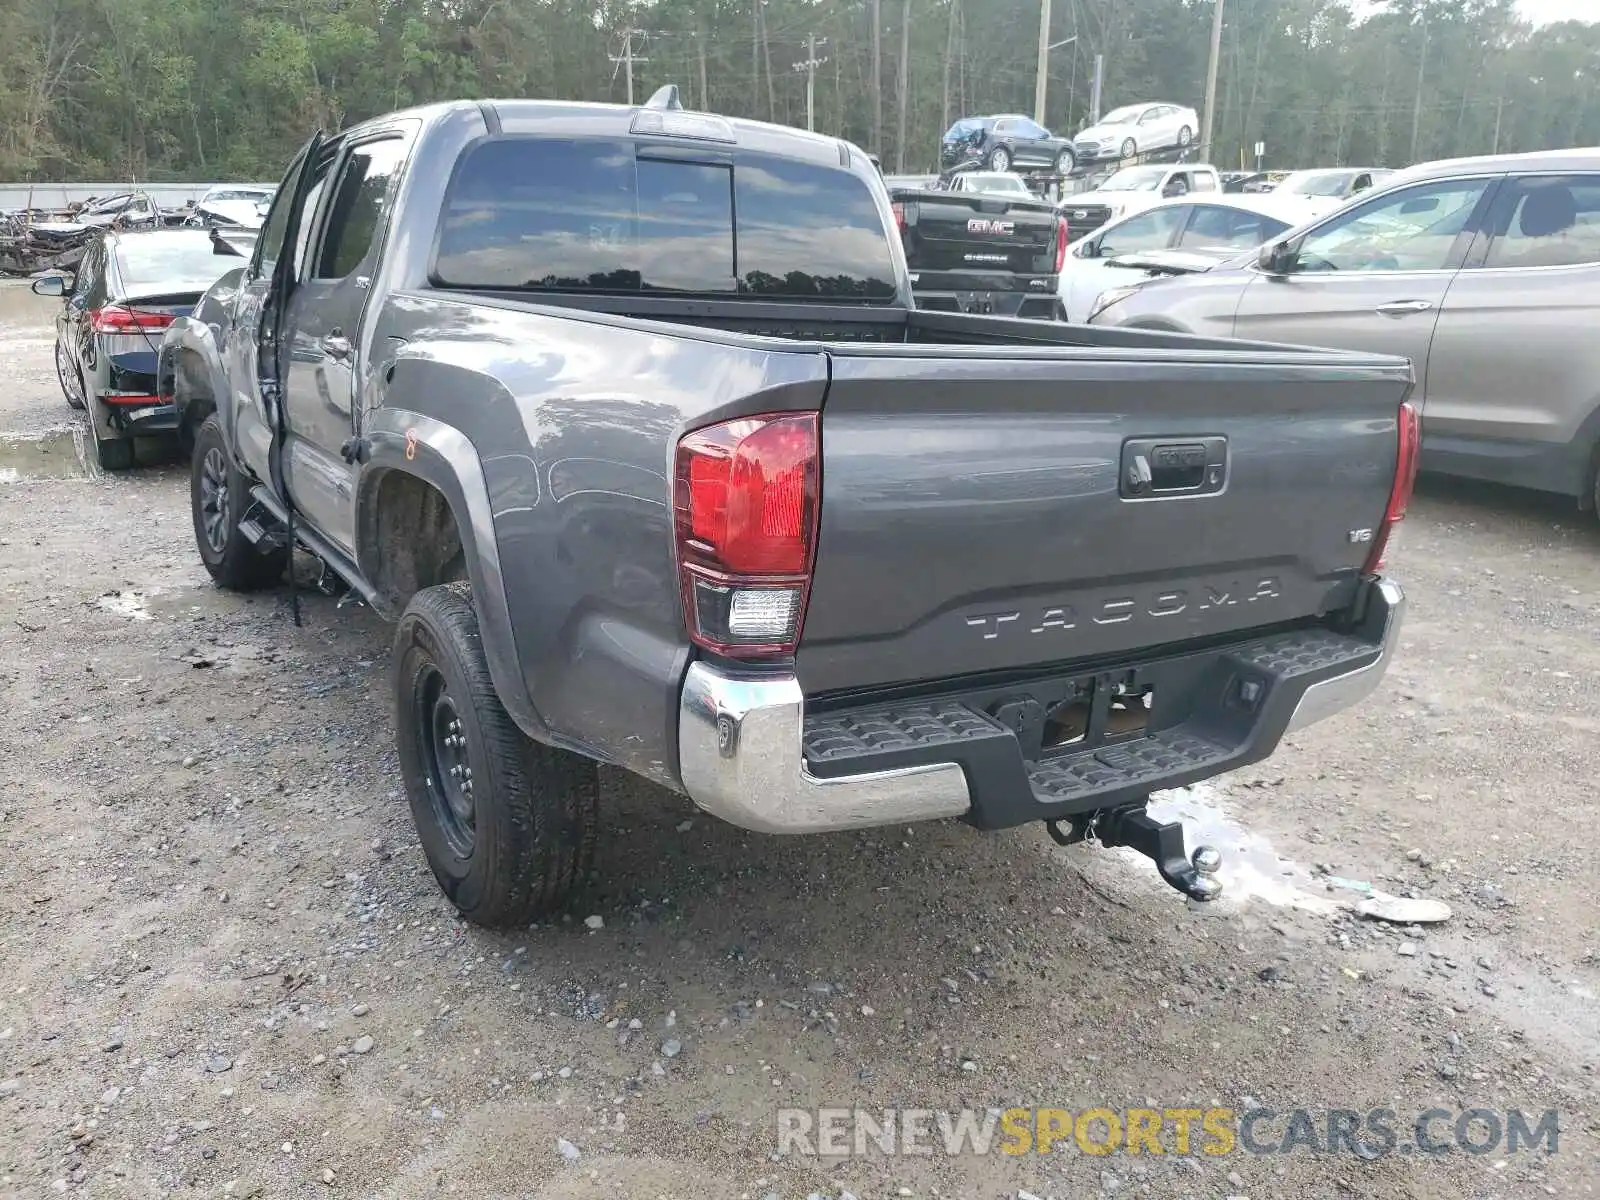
742,757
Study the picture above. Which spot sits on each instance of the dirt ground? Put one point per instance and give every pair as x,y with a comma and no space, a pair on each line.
226,971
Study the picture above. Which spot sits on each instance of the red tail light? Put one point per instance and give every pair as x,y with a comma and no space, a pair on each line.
1405,478
1061,243
115,318
746,497
899,215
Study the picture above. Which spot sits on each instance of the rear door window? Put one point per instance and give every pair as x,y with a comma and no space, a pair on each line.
88,274
357,211
1219,225
1547,221
547,214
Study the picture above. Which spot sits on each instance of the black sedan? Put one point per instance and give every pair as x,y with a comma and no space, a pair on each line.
127,290
1005,142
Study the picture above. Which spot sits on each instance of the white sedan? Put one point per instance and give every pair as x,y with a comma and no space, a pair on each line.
1215,222
1135,129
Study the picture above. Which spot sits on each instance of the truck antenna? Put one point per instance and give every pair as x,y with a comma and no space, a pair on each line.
665,98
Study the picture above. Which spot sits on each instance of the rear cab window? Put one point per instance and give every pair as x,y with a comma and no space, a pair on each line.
609,216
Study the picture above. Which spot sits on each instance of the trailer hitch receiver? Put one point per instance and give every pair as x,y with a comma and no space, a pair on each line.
1161,842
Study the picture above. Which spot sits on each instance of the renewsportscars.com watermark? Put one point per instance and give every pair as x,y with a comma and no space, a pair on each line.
1373,1133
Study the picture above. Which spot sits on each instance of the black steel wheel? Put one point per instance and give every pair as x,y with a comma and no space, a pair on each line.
67,376
507,824
447,769
219,497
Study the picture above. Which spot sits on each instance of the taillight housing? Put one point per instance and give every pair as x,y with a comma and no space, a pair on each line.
1061,243
745,498
899,210
1408,454
117,318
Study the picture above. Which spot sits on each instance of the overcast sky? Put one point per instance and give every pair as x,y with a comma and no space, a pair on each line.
1560,10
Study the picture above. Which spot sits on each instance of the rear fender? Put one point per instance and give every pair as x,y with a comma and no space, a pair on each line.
441,455
190,347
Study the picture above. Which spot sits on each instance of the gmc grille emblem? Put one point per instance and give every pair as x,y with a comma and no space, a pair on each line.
986,225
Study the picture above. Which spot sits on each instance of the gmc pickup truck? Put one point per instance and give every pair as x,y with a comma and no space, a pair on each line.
626,418
974,250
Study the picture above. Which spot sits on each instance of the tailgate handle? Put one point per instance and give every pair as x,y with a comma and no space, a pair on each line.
1163,468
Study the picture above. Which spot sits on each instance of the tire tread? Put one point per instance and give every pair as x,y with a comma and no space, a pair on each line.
541,809
241,567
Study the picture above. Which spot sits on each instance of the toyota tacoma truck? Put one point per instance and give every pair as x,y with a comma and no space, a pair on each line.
625,417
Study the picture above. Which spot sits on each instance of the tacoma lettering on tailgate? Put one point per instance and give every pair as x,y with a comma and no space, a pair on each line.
1121,607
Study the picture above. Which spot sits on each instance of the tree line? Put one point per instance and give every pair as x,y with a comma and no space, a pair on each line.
159,90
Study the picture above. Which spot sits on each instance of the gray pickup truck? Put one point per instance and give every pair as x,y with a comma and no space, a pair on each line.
626,417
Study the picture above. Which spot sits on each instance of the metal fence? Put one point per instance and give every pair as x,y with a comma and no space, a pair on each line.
60,195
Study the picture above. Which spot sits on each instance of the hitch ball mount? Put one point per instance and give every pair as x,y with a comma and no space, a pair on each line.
1161,842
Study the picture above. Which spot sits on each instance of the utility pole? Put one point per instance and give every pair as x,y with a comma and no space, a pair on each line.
1208,118
809,66
1094,88
904,88
877,78
1416,111
626,59
1499,108
1042,75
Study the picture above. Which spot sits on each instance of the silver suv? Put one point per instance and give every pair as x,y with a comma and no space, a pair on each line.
1485,272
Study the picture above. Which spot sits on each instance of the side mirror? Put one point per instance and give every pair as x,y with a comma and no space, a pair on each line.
50,285
1090,249
1277,258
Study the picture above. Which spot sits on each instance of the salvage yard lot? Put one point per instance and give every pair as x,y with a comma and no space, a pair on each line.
225,969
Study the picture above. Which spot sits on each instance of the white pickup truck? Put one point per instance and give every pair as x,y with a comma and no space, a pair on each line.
1133,189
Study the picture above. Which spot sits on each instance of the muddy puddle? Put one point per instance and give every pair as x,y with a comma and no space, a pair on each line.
59,454
55,455
19,307
1251,868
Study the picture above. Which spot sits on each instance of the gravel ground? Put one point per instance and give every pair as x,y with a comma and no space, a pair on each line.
225,969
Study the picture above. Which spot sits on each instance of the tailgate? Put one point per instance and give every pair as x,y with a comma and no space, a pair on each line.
973,516
948,231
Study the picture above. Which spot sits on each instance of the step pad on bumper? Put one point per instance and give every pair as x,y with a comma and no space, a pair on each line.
1123,764
836,737
1291,654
